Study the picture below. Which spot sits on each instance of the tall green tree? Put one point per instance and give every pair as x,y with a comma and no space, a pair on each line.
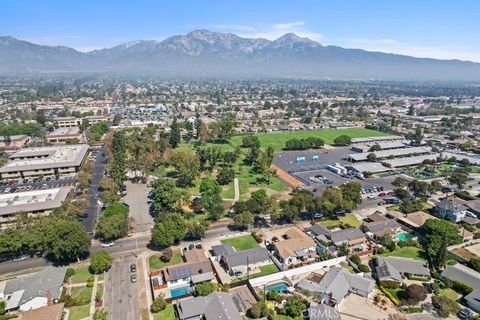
174,133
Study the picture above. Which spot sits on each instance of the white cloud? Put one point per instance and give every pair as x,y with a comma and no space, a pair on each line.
270,31
411,49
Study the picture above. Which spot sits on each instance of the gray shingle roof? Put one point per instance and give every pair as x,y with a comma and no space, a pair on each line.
451,205
37,284
241,258
462,273
223,250
391,267
215,306
319,229
349,234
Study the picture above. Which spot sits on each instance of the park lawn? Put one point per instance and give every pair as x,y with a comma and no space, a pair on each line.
84,293
167,314
351,220
407,252
81,275
242,243
155,263
449,293
278,139
77,313
228,191
185,146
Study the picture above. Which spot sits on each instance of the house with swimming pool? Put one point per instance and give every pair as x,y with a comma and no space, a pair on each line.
295,246
379,226
179,280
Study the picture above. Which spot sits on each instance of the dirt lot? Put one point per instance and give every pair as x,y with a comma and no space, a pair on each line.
475,249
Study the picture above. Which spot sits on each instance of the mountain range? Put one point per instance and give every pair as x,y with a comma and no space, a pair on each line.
204,53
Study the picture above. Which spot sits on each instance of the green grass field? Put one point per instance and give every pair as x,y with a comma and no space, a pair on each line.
278,139
351,220
167,314
242,243
84,293
81,275
155,263
264,270
449,293
398,293
407,252
77,313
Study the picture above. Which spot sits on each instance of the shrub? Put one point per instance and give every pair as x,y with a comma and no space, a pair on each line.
445,306
363,268
416,293
204,289
389,284
158,304
166,255
452,262
257,237
414,310
390,296
461,287
356,259
70,272
100,262
90,283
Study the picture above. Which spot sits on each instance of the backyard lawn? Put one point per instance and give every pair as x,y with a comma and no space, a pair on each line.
155,263
81,275
449,293
77,313
407,252
242,243
167,314
278,139
348,219
264,270
83,293
398,293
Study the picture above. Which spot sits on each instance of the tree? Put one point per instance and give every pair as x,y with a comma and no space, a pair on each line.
417,136
41,117
100,314
445,306
2,308
375,147
164,195
197,124
420,189
225,175
400,182
204,289
161,237
243,220
439,234
168,229
68,240
343,249
174,133
195,231
159,304
458,178
351,193
187,165
410,205
112,227
388,242
116,119
100,262
416,293
331,200
258,310
211,199
372,157
294,306
342,140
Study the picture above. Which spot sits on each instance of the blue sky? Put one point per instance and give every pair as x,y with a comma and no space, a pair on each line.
426,28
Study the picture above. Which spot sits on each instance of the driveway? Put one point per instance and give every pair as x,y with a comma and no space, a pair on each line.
355,307
136,198
121,297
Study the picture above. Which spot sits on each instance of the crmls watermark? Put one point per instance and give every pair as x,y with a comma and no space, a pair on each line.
327,313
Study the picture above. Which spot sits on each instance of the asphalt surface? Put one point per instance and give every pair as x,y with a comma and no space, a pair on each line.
31,186
136,199
120,293
93,193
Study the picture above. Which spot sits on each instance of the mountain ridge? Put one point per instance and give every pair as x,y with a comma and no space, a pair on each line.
202,53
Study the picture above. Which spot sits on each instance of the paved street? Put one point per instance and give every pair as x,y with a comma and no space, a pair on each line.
120,293
91,212
136,199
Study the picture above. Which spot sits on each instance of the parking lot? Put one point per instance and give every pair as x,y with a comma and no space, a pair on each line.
43,184
308,169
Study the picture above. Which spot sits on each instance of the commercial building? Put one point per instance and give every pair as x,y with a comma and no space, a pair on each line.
32,203
66,122
62,135
398,152
373,140
44,162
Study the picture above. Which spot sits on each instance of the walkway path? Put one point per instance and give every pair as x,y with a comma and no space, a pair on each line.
237,190
94,294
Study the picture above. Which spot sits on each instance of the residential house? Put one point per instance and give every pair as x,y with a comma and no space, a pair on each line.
196,269
394,268
451,210
241,262
32,291
320,232
215,306
462,273
380,228
351,236
49,312
295,247
336,284
473,300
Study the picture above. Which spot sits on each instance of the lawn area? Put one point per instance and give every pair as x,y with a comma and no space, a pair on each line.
278,139
330,224
264,270
351,220
449,293
167,314
398,293
228,191
407,252
474,169
242,243
155,263
84,293
81,275
100,289
77,313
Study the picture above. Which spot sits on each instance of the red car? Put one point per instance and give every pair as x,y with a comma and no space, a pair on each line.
382,194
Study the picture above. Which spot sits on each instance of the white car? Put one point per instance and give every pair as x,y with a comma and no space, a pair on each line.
108,244
371,196
7,190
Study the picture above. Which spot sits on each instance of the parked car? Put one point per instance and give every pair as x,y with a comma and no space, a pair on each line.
133,278
133,268
7,189
107,244
382,194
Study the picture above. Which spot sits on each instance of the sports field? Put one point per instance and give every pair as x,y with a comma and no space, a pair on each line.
278,139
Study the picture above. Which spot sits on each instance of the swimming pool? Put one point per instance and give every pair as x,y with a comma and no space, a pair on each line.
180,291
279,287
404,236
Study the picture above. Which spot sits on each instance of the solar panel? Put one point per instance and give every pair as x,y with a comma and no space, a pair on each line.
182,273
